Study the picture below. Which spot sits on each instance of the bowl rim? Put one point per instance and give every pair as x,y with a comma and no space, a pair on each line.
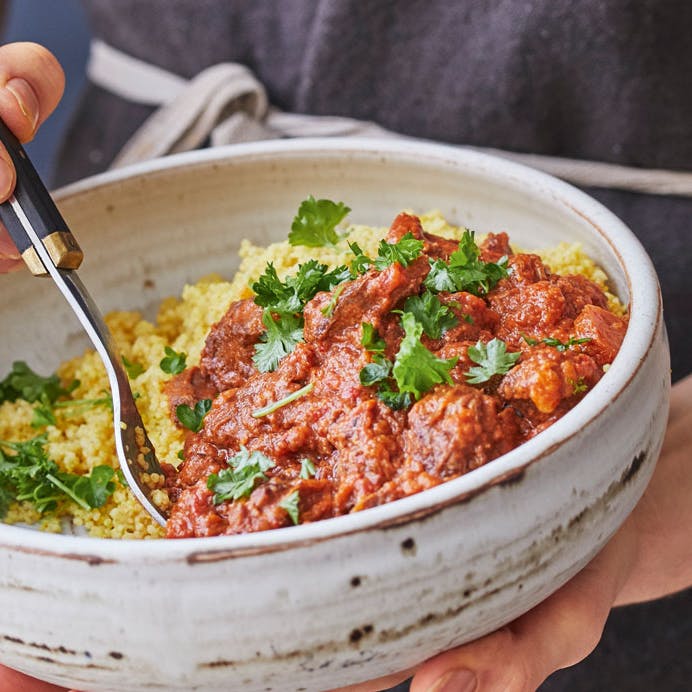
645,319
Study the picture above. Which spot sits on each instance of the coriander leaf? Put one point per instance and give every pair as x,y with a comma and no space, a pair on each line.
416,369
245,470
91,491
271,292
173,363
492,359
465,271
24,474
193,418
440,277
23,383
395,400
376,371
361,262
133,369
289,297
281,337
307,468
315,223
404,251
290,504
435,317
270,408
328,309
563,346
371,340
29,475
75,406
43,416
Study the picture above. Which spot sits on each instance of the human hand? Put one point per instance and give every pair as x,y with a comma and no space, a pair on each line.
31,85
17,682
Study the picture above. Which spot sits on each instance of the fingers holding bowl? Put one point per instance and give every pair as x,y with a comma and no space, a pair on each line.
31,85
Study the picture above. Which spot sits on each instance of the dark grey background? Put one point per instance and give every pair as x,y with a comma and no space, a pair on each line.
644,648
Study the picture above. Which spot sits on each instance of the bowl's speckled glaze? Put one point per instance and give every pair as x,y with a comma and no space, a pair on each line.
321,605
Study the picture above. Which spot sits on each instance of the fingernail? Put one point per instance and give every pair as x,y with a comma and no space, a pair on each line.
26,99
456,681
6,179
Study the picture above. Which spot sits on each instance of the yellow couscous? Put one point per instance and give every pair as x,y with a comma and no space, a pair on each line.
82,440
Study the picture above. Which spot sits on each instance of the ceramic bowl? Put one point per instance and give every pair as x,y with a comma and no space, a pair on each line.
335,602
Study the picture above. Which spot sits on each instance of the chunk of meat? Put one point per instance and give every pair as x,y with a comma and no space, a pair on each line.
604,330
228,350
367,440
188,387
367,299
455,429
494,247
547,377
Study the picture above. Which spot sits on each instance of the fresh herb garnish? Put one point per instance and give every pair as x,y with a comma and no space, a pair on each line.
397,401
193,418
289,296
315,223
173,363
133,368
435,317
563,345
371,340
328,309
378,370
44,414
23,383
307,468
28,475
290,504
280,338
245,470
361,262
465,271
276,405
287,299
404,251
416,369
492,359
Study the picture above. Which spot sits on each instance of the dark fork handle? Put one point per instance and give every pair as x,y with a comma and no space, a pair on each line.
32,199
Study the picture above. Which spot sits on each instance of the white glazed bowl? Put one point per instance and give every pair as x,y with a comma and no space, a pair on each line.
347,599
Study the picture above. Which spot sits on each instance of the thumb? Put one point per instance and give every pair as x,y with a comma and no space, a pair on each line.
557,633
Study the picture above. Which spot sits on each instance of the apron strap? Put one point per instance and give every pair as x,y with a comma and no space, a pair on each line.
226,104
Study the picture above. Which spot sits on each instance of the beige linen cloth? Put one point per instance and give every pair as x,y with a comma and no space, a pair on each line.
226,104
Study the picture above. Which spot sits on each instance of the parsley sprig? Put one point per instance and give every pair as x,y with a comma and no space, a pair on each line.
193,418
465,271
404,251
279,339
291,504
428,310
23,383
246,469
415,369
556,343
29,475
283,303
315,223
492,358
173,363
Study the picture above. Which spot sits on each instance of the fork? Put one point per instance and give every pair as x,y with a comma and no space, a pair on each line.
49,248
